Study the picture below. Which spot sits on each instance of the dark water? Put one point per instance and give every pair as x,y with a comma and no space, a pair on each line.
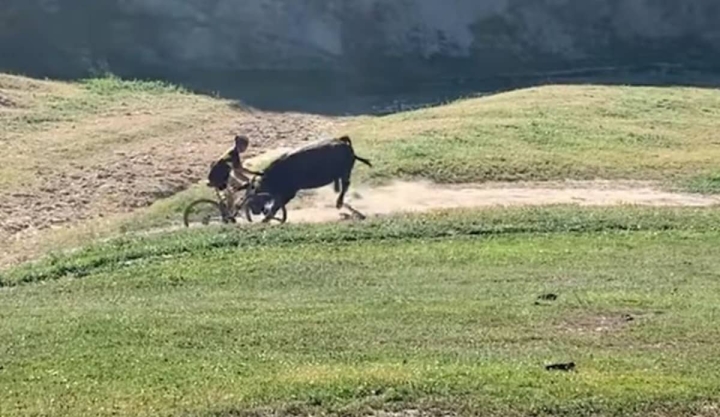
333,94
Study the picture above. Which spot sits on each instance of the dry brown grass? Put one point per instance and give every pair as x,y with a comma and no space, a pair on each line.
76,151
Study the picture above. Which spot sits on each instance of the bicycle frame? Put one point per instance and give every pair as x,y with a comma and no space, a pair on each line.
240,201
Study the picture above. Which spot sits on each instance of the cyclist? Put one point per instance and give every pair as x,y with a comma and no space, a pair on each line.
228,172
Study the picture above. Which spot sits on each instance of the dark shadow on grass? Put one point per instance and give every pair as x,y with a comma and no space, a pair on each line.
388,91
340,94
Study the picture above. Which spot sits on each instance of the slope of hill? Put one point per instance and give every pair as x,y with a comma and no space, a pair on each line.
550,133
82,153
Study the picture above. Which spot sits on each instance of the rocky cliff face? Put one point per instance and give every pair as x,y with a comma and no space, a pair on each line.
351,42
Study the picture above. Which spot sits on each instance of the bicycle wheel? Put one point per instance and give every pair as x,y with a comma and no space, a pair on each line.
208,211
280,216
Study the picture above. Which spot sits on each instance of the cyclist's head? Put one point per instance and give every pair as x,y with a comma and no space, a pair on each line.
241,143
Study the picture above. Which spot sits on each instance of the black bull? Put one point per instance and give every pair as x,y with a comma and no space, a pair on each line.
313,166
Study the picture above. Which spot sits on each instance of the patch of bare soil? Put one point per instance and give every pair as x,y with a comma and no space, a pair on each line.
136,175
413,413
403,196
6,102
597,323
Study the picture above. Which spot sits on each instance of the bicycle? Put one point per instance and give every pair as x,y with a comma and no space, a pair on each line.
213,208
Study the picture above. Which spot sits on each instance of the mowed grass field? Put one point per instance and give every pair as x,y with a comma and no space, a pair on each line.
440,312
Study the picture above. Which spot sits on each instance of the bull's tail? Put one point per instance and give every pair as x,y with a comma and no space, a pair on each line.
363,160
346,139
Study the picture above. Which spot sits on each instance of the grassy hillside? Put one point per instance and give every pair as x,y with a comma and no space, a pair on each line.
553,132
432,311
91,156
546,133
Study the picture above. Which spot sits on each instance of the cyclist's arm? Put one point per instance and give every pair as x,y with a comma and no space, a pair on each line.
249,171
238,174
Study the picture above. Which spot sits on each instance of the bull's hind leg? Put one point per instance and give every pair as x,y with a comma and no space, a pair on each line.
355,212
336,185
344,185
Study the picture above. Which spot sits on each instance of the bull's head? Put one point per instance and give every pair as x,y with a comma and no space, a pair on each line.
261,197
260,203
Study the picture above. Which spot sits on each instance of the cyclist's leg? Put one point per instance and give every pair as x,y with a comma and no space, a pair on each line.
230,200
239,185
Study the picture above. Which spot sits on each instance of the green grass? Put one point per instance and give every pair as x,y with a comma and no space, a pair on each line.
704,184
436,311
439,224
550,133
55,103
112,85
102,97
432,311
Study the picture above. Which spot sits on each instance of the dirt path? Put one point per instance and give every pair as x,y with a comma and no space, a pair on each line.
402,196
318,206
418,196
